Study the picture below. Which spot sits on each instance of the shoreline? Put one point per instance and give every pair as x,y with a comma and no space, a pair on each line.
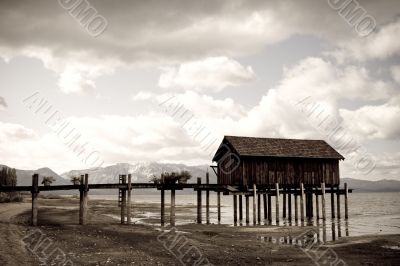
103,241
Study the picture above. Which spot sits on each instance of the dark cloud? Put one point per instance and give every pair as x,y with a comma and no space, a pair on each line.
168,31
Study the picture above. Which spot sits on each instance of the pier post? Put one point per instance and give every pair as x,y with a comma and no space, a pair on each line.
162,205
247,210
85,199
254,204
284,203
277,203
35,192
317,204
123,203
338,202
323,201
311,211
172,208
235,210
259,208
240,208
296,213
332,202
265,207
207,199
219,206
128,205
269,207
302,202
346,194
82,183
289,196
199,201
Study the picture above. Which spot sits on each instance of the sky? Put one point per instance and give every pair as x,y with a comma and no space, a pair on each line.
94,83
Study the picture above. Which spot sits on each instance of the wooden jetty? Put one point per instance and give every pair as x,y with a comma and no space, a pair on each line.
251,167
267,191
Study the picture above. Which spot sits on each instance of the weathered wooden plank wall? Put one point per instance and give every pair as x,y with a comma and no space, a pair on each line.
285,171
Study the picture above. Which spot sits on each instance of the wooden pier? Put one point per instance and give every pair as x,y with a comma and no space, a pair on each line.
126,186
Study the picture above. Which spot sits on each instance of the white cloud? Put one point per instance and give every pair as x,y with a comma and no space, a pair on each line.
214,73
207,107
328,82
142,96
73,81
14,132
374,121
381,44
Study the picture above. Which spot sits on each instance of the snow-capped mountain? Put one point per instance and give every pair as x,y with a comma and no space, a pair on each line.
141,172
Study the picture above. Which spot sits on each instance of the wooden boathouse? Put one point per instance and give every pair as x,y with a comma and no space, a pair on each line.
245,161
291,165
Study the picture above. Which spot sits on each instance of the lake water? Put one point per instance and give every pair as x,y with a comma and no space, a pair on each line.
369,213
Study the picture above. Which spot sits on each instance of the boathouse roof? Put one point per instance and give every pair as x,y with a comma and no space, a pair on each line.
278,147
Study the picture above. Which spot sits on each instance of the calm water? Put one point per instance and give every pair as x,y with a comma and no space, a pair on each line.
369,213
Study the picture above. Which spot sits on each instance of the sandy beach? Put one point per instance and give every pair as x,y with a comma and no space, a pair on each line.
103,241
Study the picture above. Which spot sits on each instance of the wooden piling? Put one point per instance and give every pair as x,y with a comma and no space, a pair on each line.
265,207
240,208
307,204
247,210
323,201
302,202
296,214
162,206
123,203
259,208
332,203
269,207
311,211
35,193
82,183
289,197
254,204
317,205
277,203
219,207
199,202
235,209
85,199
207,199
128,205
346,194
172,208
284,203
338,203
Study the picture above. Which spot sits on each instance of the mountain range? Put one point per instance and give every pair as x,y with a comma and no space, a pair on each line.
142,173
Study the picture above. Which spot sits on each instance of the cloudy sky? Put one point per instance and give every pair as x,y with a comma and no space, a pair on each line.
110,85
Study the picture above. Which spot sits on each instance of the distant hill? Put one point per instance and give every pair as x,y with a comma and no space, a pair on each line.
24,177
383,185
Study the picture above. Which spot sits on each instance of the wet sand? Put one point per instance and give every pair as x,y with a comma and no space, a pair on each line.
103,241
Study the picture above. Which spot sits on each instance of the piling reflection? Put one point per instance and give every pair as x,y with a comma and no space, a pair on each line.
318,233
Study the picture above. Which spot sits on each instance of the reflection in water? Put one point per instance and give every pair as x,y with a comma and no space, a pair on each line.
317,235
